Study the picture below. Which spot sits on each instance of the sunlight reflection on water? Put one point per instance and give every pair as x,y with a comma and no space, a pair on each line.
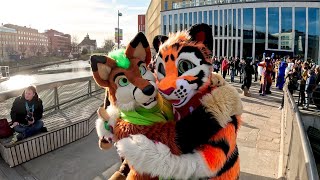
17,82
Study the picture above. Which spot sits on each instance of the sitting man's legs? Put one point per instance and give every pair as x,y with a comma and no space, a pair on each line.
27,131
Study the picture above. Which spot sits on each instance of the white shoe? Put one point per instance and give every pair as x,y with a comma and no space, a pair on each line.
280,107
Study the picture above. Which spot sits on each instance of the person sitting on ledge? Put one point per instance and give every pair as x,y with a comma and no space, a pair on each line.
26,114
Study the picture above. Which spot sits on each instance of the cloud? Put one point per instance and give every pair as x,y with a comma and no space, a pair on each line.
76,17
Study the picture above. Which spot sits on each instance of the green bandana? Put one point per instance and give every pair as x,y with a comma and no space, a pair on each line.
143,116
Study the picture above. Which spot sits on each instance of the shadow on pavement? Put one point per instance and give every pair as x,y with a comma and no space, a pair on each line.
247,176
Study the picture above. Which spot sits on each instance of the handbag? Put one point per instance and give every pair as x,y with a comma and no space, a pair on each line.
5,129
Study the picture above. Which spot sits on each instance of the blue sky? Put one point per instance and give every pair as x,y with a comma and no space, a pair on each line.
98,18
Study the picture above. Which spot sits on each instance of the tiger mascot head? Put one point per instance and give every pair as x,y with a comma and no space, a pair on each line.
183,65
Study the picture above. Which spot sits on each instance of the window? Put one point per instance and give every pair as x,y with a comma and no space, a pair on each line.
216,24
166,5
195,17
210,18
181,21
247,32
164,20
239,25
205,17
225,22
234,28
286,28
221,23
260,32
313,35
273,28
200,17
175,28
190,19
185,20
170,23
300,31
230,23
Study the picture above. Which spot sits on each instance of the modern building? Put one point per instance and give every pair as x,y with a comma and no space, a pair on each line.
142,23
8,42
153,16
30,41
247,28
89,44
59,43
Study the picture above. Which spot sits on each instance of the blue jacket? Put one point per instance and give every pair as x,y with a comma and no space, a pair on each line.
311,83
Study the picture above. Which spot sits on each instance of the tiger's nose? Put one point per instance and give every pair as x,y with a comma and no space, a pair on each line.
167,91
148,90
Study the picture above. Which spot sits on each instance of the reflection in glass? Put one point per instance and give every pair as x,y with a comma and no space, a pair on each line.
216,47
286,38
247,32
234,22
234,48
175,28
216,25
230,21
225,22
195,17
170,23
185,20
273,28
190,19
221,22
229,48
210,19
164,22
205,17
239,48
313,35
300,31
260,31
200,17
220,46
225,52
181,21
239,23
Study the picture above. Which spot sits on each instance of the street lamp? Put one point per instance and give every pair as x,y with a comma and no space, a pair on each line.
119,14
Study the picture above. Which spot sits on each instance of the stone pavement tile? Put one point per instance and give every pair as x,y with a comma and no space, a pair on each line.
270,134
242,135
265,138
266,145
276,141
275,130
261,163
245,143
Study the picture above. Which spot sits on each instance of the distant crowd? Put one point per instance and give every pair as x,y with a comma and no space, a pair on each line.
298,74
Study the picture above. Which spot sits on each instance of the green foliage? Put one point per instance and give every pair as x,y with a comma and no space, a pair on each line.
84,51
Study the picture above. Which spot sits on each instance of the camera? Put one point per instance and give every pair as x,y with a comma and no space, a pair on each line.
29,117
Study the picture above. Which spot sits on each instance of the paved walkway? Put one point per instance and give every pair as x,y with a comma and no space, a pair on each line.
258,141
259,135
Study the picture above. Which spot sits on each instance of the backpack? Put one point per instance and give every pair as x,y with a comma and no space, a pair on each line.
5,129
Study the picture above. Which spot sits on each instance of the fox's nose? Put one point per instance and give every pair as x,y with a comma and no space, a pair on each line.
167,91
148,90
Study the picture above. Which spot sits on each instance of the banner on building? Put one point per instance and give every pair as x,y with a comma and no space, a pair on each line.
116,35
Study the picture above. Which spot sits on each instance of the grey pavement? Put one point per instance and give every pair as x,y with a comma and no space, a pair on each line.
258,141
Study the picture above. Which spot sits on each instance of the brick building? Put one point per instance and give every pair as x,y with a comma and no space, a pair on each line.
30,41
8,42
142,23
58,42
89,44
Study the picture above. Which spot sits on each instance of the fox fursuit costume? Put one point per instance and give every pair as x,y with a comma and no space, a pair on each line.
208,116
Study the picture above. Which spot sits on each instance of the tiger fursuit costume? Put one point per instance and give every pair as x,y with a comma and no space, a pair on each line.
208,117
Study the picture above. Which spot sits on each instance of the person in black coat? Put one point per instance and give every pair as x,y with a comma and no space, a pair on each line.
26,114
247,70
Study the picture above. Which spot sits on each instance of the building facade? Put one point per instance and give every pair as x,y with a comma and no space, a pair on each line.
89,44
153,16
58,42
248,29
30,41
8,42
142,23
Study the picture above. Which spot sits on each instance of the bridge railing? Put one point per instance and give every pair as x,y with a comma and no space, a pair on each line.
54,95
298,160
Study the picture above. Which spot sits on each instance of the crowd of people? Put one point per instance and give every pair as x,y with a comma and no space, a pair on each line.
271,70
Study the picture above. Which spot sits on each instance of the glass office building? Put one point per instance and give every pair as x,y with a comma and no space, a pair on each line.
247,29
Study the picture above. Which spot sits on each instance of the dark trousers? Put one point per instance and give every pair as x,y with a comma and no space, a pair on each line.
224,73
31,130
302,94
247,82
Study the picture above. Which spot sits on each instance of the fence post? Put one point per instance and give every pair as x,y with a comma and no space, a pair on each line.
89,88
56,98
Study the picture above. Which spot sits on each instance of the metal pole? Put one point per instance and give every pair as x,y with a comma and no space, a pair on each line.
118,31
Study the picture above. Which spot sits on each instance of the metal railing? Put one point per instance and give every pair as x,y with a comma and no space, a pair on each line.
56,95
4,70
298,160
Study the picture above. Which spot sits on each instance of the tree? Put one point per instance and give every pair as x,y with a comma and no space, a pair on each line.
74,44
42,49
23,48
84,51
108,45
34,49
10,50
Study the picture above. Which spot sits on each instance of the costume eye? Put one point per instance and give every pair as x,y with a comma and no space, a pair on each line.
123,81
161,69
185,65
142,69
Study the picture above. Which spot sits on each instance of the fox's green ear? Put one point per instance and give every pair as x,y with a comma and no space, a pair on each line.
139,48
101,67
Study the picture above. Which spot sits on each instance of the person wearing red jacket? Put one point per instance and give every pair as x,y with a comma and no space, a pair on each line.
225,65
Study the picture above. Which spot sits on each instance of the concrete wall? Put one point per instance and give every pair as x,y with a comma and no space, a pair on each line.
310,120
